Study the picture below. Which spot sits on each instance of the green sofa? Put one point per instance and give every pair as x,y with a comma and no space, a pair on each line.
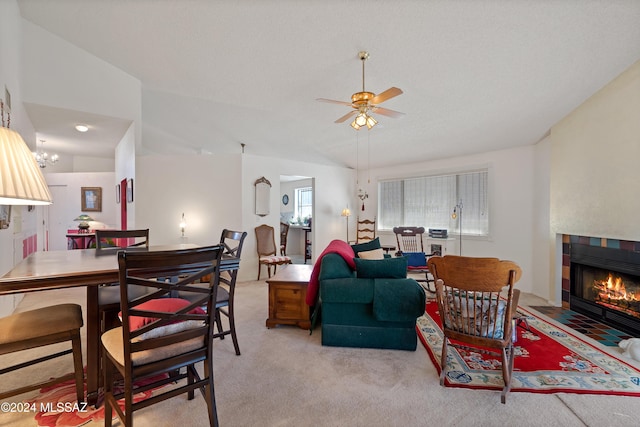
373,306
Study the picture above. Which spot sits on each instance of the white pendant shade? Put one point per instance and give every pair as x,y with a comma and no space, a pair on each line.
21,181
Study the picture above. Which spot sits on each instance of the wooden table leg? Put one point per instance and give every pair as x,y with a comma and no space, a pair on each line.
92,345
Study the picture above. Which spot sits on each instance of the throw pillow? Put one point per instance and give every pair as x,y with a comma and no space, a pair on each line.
370,245
372,254
172,328
415,259
163,305
387,268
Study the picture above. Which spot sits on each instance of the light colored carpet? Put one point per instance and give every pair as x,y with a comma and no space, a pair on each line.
284,377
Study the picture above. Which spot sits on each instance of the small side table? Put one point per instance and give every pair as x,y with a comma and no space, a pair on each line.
287,295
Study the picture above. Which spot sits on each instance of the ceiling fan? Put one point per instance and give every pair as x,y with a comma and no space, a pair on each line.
364,103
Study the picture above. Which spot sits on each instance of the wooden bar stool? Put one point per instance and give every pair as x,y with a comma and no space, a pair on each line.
40,327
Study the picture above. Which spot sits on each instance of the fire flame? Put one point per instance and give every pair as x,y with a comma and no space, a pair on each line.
613,289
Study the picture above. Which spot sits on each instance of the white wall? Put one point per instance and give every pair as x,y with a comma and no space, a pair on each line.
59,74
511,187
217,192
125,167
72,207
69,163
543,242
594,163
333,189
594,167
206,188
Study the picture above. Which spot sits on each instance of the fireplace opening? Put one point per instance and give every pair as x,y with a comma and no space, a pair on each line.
609,289
605,285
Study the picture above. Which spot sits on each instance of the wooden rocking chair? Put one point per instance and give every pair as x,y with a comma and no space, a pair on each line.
477,303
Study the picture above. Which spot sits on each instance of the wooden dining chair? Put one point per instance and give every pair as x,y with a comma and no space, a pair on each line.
160,336
115,240
284,235
366,230
232,242
42,327
109,242
477,303
308,244
266,247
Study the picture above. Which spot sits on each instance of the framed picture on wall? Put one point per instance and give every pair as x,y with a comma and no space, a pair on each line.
5,216
91,199
130,190
118,193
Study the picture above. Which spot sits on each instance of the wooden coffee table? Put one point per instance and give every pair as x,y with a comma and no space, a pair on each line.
287,295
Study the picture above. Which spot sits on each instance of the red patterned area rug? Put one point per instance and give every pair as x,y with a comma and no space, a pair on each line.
56,406
549,359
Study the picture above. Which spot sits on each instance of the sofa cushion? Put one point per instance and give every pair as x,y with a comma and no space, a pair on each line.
398,300
347,290
415,259
391,268
371,244
372,254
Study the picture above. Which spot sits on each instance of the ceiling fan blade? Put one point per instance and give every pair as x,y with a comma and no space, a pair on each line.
387,112
331,101
387,94
346,116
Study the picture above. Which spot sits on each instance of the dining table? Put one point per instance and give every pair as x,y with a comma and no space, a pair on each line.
47,270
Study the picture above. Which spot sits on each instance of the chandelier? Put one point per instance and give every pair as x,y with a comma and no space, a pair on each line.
42,158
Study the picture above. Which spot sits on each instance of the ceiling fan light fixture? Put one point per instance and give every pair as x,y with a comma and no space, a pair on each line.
363,119
371,122
363,102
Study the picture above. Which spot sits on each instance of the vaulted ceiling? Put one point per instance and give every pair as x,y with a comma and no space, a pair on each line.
476,75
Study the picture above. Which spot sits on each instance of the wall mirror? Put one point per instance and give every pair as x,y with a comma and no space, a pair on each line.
263,192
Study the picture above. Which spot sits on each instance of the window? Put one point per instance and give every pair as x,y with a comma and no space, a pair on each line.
303,203
429,202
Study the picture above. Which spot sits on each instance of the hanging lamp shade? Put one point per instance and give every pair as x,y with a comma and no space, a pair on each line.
21,182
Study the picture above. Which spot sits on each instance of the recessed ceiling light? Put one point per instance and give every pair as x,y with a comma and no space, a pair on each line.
82,128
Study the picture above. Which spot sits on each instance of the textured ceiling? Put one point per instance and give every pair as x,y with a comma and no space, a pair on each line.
476,75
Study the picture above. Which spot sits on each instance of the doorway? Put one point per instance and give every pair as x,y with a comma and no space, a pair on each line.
55,222
297,198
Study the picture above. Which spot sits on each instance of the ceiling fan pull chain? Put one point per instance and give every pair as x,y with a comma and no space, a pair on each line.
363,57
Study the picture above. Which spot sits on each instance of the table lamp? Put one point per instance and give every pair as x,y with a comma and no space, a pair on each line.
83,226
346,213
21,181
